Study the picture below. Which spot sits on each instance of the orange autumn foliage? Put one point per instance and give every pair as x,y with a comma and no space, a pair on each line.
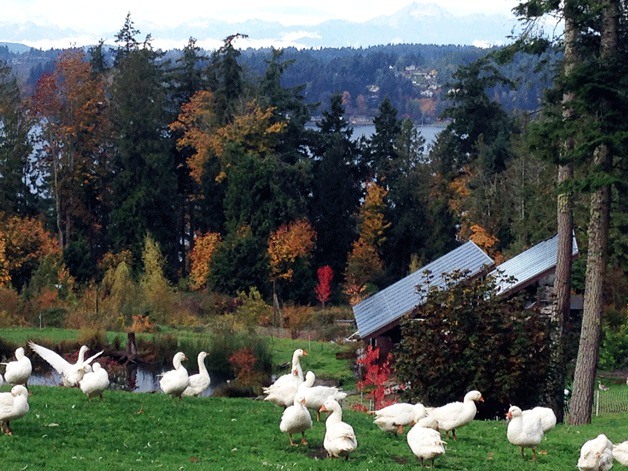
142,324
5,277
460,191
26,242
364,263
286,244
205,246
372,223
252,130
197,123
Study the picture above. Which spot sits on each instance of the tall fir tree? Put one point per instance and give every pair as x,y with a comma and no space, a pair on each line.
144,186
337,177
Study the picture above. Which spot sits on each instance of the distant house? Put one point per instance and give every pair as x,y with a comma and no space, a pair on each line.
378,316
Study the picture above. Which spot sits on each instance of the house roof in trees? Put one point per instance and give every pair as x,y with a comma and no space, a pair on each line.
382,311
529,266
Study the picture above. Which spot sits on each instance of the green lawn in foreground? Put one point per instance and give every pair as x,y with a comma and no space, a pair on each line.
136,431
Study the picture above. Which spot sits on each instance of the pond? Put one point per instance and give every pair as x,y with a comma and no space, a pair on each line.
133,377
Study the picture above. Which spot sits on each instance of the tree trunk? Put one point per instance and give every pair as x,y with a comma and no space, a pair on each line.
588,351
564,214
562,292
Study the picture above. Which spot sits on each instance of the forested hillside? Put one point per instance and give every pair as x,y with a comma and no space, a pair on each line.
413,76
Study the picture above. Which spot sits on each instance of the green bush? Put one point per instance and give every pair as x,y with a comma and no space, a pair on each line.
614,349
464,337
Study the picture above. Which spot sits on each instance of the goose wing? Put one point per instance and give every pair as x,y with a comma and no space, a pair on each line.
51,357
93,357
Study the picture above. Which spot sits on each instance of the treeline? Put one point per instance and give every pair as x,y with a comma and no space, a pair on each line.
414,77
216,173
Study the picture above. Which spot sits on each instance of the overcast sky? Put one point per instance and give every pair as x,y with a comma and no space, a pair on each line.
98,19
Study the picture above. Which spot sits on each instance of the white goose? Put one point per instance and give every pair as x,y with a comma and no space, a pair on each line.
596,454
547,416
456,414
425,443
282,391
296,419
315,396
95,381
13,405
340,439
71,374
175,381
18,371
395,417
620,453
198,382
524,431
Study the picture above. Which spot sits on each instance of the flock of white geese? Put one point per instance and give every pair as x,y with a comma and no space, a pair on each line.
298,395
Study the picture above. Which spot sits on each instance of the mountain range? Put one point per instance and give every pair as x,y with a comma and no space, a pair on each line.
418,23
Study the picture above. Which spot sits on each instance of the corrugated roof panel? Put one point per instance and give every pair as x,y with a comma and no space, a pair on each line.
529,265
391,303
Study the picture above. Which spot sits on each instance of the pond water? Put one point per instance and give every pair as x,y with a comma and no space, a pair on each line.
136,379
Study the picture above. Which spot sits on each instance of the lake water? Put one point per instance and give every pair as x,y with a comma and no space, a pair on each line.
429,132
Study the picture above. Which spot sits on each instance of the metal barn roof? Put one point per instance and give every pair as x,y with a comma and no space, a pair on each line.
529,266
390,304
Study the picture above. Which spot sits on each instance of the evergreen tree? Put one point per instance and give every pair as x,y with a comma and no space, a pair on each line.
474,115
226,79
381,147
582,122
144,185
336,193
289,107
16,176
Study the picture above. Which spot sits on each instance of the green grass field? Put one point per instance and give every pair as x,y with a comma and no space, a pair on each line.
131,431
136,431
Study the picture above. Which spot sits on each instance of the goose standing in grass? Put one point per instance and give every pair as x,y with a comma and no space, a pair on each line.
18,371
71,373
282,391
596,454
315,396
175,381
340,439
525,432
454,415
395,417
13,405
545,414
94,382
426,443
199,382
620,453
296,419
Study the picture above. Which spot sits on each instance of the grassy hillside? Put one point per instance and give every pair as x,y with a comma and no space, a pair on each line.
148,431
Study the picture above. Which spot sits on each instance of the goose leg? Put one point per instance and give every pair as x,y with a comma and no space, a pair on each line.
303,440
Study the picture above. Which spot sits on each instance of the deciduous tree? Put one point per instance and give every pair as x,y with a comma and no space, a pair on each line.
323,288
205,246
